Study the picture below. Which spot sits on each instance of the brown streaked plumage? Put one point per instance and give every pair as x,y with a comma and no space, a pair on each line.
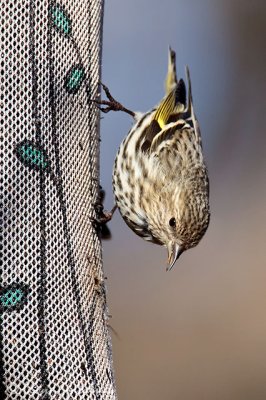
160,179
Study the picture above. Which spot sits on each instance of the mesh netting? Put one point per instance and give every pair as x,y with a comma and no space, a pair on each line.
54,339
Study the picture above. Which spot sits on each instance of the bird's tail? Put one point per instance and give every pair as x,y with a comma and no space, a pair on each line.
171,78
189,114
175,100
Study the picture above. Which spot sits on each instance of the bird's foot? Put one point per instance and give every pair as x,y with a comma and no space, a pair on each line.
102,216
111,104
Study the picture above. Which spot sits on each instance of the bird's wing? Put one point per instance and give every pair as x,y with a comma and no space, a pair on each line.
175,117
169,135
173,104
176,149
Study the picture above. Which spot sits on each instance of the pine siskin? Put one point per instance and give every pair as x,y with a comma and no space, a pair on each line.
160,181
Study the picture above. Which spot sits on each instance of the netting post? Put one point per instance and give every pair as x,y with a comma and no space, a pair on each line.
54,337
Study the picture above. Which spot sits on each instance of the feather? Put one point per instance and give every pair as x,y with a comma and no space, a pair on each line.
174,102
171,79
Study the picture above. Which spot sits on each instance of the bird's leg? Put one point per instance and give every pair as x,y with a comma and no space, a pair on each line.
104,216
99,223
111,104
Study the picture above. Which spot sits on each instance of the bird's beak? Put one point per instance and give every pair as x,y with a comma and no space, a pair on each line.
174,251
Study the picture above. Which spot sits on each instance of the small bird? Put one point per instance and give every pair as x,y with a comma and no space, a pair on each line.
160,180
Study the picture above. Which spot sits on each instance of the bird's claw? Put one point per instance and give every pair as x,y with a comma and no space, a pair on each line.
102,216
111,104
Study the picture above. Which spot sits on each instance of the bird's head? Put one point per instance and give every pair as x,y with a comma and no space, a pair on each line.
181,223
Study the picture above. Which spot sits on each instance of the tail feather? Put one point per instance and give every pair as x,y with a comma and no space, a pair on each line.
190,100
176,107
181,93
189,113
171,78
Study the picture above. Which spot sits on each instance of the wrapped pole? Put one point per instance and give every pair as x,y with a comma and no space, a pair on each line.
54,338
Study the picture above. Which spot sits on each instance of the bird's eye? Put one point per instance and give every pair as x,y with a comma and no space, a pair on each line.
172,222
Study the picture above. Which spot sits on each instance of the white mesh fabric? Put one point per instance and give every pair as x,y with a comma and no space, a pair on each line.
54,339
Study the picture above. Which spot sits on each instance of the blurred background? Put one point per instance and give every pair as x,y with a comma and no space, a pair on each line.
199,331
